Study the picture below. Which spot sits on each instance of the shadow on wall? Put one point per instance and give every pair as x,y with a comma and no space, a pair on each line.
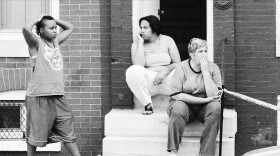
264,137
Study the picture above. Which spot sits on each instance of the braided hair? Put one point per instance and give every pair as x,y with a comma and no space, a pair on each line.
41,23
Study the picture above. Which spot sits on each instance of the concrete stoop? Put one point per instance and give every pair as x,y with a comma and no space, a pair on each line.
129,133
145,146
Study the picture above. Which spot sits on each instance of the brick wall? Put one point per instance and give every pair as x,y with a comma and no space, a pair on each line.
121,41
87,59
224,54
256,73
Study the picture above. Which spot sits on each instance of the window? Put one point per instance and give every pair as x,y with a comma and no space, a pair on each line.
12,119
13,123
13,15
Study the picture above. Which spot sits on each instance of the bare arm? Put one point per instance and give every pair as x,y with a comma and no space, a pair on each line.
210,86
194,100
67,30
137,52
30,38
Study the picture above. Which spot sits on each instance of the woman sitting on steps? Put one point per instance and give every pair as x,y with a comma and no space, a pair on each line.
196,86
154,57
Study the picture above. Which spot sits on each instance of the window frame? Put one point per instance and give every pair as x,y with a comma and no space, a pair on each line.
20,144
11,37
22,119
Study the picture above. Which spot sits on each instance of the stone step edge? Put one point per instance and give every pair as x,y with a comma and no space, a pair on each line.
191,139
157,146
161,116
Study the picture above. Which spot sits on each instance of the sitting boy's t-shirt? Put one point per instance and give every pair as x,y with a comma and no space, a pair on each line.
186,80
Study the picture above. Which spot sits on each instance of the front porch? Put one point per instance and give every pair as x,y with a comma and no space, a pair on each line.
128,132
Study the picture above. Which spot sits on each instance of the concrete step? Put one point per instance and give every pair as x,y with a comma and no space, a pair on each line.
129,133
146,146
127,123
268,151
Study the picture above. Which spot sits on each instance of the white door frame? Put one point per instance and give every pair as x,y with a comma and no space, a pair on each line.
142,8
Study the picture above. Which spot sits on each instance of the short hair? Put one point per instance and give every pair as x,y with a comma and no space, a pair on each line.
154,23
196,43
41,24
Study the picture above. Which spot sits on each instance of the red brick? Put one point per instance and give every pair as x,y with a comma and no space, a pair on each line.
90,7
68,7
80,107
81,95
12,79
2,84
96,107
90,113
94,89
80,2
82,119
6,79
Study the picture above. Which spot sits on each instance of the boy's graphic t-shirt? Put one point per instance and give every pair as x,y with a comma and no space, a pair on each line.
47,76
54,57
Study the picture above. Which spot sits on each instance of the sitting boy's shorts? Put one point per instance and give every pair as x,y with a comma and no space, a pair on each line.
49,120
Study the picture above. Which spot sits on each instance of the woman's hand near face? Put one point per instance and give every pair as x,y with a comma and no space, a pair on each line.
137,51
140,39
203,62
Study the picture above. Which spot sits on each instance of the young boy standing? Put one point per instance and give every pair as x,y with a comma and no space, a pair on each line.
49,117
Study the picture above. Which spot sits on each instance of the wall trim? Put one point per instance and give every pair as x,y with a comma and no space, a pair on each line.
210,30
277,9
21,145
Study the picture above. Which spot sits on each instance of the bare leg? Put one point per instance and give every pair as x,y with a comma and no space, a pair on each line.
31,150
72,148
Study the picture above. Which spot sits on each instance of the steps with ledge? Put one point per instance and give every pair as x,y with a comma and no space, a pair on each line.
128,132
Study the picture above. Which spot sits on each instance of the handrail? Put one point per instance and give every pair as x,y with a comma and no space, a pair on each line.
264,104
252,100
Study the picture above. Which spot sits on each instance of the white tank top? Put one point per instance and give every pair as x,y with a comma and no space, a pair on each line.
157,56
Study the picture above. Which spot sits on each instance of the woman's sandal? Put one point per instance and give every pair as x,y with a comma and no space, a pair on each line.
148,110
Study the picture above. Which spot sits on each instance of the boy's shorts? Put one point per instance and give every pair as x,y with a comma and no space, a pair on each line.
49,120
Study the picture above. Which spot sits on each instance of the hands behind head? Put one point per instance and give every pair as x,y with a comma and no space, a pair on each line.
40,17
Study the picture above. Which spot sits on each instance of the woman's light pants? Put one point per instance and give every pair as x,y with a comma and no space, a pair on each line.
140,81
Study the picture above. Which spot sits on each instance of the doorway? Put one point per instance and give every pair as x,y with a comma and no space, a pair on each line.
183,20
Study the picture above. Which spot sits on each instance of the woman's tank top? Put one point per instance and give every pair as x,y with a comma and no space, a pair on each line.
158,56
47,76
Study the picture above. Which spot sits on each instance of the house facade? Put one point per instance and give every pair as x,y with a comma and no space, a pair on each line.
243,37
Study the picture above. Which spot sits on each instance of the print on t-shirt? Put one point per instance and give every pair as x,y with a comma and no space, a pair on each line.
54,57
